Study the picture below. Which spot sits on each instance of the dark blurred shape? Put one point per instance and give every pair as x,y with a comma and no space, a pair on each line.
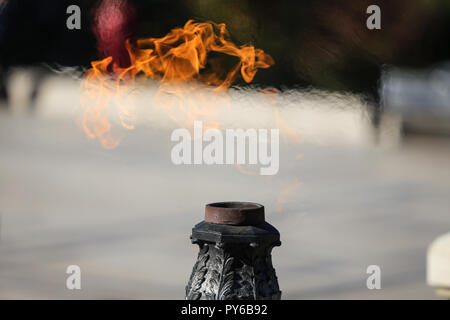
3,24
34,33
324,43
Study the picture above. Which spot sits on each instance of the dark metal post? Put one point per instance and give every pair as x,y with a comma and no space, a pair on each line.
234,262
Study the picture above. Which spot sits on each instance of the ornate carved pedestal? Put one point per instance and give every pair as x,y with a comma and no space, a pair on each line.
234,262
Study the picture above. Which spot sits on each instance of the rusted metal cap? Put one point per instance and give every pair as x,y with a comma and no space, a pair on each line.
235,213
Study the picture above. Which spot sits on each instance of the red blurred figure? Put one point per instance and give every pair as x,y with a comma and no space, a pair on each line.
113,25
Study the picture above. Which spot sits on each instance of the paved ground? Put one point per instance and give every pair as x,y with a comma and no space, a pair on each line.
124,215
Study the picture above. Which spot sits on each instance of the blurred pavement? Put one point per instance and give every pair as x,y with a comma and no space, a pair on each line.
124,215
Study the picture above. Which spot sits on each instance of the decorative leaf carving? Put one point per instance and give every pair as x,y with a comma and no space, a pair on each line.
233,272
198,276
227,279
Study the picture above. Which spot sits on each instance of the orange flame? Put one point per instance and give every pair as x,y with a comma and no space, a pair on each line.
182,56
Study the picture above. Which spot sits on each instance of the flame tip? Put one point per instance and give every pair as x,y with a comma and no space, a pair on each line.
180,56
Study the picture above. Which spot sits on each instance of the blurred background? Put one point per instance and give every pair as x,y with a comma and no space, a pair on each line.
369,184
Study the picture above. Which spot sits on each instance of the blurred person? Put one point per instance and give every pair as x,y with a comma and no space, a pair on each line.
114,24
